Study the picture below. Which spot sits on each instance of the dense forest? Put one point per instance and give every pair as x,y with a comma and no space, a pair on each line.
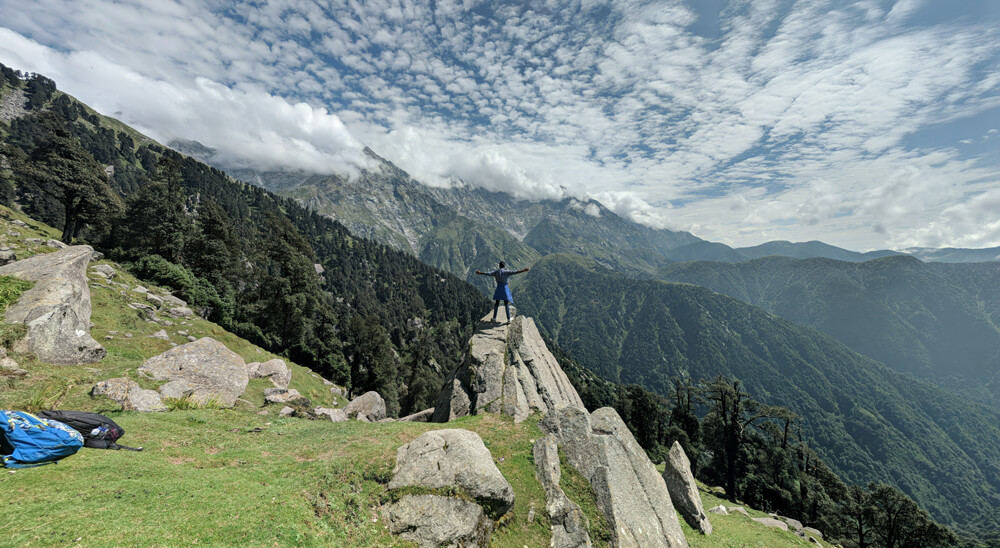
865,421
262,266
934,321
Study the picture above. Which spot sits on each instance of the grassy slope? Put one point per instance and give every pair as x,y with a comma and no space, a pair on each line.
245,476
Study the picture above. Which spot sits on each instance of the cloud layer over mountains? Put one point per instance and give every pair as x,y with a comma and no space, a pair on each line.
872,124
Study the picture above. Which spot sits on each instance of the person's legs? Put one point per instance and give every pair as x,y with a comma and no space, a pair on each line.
506,307
496,306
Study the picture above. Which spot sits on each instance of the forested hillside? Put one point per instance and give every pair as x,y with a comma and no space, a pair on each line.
262,266
866,422
936,321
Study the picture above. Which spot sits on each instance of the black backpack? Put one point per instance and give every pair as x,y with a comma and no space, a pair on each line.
99,432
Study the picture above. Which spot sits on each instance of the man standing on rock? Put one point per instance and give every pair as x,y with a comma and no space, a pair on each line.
502,293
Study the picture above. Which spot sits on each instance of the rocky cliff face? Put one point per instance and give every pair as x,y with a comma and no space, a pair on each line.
508,370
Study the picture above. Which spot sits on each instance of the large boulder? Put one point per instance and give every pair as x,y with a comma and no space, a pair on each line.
129,395
508,370
204,370
432,521
369,404
454,458
683,489
569,525
629,491
277,370
56,310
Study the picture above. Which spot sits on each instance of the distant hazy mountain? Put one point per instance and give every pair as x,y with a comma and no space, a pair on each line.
464,228
866,421
955,255
935,321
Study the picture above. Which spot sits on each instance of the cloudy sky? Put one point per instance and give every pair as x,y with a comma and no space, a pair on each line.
870,124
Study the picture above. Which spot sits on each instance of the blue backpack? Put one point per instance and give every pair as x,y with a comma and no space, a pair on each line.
26,440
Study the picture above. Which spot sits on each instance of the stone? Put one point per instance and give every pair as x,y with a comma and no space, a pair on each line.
129,395
97,256
180,312
569,525
277,370
793,524
154,300
191,338
57,309
170,300
335,415
161,334
813,532
18,222
7,256
10,368
739,510
771,522
420,416
629,491
684,490
369,404
336,390
433,520
454,458
286,411
59,245
140,289
508,370
205,370
720,509
281,395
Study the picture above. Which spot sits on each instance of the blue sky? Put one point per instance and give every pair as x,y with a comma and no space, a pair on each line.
866,124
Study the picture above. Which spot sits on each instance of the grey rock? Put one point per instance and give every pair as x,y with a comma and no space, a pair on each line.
205,370
419,416
509,370
7,256
684,490
18,222
369,404
432,521
454,458
739,510
129,395
771,522
335,415
34,241
629,491
286,411
813,532
277,370
57,309
191,338
336,390
569,525
140,289
154,300
10,368
720,509
281,395
97,256
793,524
59,245
170,300
181,312
161,334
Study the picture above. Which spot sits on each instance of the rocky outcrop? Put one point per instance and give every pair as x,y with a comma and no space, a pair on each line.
281,395
508,370
370,405
458,459
419,416
432,521
569,525
204,370
335,415
683,489
277,370
629,491
771,522
56,310
129,395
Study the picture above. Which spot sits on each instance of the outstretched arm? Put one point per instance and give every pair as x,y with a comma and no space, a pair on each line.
483,273
523,270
